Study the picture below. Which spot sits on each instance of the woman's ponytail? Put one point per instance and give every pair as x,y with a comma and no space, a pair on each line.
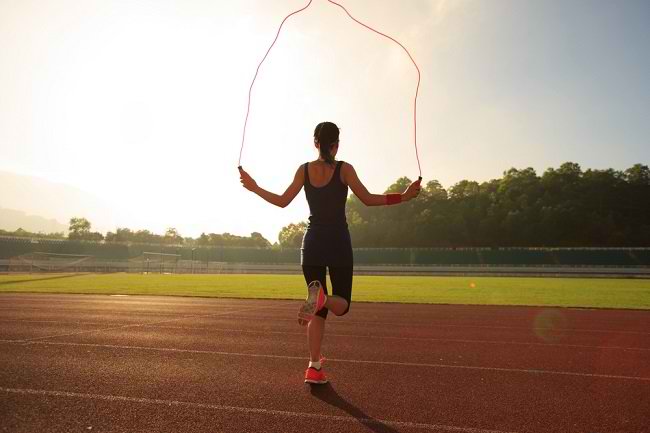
326,134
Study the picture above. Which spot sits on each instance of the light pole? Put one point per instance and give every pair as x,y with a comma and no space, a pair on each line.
193,260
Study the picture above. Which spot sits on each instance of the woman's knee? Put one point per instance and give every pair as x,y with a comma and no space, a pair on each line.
347,308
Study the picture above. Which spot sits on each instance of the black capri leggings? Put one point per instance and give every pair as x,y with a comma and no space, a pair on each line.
341,277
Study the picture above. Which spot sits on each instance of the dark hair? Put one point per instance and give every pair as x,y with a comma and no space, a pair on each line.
326,134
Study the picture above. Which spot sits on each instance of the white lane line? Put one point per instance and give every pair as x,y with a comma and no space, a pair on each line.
378,337
37,339
353,322
451,340
363,322
247,410
352,361
60,322
71,312
144,306
435,325
388,337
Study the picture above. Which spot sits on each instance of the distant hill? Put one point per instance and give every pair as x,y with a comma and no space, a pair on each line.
12,220
47,204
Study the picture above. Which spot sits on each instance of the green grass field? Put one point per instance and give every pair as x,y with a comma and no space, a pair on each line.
565,292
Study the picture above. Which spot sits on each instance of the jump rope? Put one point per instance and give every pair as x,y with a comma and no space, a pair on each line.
415,101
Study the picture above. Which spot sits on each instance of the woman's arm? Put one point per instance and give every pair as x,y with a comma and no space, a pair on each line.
278,200
352,180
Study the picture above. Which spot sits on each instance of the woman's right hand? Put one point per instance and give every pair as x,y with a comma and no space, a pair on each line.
246,180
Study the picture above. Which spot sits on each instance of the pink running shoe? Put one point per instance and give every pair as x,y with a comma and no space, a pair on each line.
315,376
316,299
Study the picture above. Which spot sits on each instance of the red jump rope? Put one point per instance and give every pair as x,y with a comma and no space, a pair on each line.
415,101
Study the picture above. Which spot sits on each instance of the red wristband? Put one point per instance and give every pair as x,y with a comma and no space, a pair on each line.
393,198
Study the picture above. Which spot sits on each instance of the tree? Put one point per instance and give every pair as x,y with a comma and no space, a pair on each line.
638,174
399,186
203,240
146,237
259,241
464,189
79,227
563,207
22,233
566,206
434,190
291,235
120,235
173,237
255,240
80,230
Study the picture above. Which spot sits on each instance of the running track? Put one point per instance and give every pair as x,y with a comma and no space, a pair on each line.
81,363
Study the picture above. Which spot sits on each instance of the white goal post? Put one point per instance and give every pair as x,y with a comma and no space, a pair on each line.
51,262
162,263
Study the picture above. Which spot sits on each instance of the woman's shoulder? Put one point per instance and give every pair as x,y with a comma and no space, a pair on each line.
346,166
300,172
346,171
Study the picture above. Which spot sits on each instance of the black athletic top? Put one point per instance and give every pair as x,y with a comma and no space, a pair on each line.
327,239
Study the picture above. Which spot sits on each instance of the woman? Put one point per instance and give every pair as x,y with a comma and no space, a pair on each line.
326,243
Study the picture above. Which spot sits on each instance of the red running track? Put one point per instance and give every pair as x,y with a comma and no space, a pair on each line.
118,364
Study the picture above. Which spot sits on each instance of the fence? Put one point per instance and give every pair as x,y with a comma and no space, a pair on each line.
118,253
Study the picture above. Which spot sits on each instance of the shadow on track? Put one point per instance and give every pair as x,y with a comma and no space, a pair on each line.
37,279
328,394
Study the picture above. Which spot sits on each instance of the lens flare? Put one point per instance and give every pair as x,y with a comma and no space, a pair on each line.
550,325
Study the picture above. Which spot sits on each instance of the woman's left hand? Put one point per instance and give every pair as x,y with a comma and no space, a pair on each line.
413,190
246,180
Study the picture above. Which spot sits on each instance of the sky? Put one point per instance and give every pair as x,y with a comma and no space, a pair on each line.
141,104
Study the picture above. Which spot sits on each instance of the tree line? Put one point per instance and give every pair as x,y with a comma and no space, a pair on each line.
21,233
564,207
173,237
80,229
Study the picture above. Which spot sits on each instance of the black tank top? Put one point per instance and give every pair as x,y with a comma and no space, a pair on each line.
327,203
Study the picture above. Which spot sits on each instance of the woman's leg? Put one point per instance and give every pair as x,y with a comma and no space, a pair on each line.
315,333
316,327
339,302
336,304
